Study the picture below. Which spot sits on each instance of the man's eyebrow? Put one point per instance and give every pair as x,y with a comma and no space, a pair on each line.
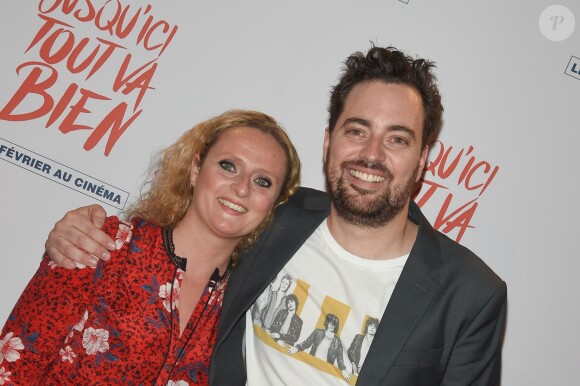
359,121
404,129
367,123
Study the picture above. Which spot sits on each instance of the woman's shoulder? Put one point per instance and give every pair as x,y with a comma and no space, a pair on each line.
138,245
129,233
116,227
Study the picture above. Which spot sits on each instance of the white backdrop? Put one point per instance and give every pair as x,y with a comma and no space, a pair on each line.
502,180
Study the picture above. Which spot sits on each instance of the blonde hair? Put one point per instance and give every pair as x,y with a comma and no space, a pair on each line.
170,191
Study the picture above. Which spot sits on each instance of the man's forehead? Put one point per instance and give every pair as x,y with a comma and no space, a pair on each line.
383,104
377,94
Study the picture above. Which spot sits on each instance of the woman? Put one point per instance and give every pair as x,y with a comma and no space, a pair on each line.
149,315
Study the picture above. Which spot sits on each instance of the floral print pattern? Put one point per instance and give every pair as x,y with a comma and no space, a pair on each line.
113,324
95,340
124,234
10,347
67,354
169,291
4,376
177,383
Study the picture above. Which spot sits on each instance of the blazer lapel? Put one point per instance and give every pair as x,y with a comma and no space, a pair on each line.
414,291
259,266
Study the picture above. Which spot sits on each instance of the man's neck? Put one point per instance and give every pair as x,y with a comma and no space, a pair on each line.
391,240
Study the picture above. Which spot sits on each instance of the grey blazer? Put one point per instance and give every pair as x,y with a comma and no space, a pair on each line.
442,326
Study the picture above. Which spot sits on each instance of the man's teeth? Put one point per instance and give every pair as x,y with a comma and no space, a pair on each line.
366,177
233,206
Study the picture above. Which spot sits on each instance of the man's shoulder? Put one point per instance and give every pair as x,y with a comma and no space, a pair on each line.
309,198
306,203
303,211
466,269
453,259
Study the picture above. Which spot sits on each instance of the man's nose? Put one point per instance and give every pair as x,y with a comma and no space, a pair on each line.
373,150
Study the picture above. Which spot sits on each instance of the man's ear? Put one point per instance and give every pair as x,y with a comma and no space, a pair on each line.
422,163
326,145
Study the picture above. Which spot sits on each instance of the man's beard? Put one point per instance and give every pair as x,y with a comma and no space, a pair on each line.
374,212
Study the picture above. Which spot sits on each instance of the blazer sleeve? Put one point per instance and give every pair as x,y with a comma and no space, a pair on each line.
476,356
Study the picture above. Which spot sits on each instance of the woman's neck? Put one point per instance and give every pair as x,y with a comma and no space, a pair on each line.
202,249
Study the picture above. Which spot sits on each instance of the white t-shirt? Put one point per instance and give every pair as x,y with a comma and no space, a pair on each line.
337,292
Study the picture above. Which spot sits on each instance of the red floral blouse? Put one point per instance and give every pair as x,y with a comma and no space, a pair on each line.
117,324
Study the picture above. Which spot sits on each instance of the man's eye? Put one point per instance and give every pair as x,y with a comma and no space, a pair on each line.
227,165
263,182
355,132
400,141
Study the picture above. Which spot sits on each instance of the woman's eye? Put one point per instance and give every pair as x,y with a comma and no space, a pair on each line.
227,165
263,182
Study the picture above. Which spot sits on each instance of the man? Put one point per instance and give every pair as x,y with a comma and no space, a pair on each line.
261,302
276,302
287,325
364,250
324,344
359,348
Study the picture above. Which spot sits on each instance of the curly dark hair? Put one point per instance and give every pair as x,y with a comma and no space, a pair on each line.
390,66
292,298
371,322
331,318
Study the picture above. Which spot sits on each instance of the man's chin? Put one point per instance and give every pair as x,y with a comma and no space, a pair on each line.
361,202
366,213
360,191
355,211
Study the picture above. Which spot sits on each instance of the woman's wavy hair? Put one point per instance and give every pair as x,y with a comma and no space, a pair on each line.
170,191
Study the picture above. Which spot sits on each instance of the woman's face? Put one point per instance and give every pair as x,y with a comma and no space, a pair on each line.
238,182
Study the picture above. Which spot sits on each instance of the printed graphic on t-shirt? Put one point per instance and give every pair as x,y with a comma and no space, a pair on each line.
277,322
315,322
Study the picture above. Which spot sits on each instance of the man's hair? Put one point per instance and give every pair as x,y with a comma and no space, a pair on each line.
390,66
370,322
287,277
292,298
331,318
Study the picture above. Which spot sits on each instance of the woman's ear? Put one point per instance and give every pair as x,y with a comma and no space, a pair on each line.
194,169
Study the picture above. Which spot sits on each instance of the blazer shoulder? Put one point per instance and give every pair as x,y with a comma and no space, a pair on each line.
472,270
453,262
309,198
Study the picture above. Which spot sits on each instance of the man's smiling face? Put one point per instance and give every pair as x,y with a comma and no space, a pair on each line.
374,156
